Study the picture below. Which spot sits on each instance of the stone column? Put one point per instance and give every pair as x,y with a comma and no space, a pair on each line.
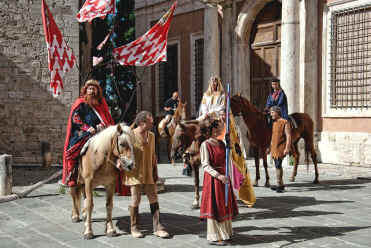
290,53
6,175
227,41
212,44
308,58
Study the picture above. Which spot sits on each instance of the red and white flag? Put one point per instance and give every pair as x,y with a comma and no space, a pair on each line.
148,49
60,56
95,8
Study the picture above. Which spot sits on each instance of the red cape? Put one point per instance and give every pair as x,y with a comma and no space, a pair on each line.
104,113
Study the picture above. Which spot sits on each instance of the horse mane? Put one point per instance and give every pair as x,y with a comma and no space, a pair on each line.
251,106
103,139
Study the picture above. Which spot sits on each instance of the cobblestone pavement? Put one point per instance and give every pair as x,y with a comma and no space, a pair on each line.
334,213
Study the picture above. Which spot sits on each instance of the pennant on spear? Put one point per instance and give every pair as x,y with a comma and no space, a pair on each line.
150,48
60,56
94,9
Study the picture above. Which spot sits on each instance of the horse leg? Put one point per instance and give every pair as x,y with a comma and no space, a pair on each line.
257,172
110,230
88,232
267,184
75,192
296,156
196,173
314,159
83,212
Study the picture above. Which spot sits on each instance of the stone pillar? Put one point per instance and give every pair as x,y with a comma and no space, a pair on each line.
6,175
290,53
212,44
308,59
227,45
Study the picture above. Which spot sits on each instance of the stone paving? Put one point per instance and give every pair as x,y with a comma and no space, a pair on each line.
335,213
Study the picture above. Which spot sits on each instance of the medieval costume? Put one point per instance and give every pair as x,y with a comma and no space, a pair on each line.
212,103
278,98
213,207
82,117
143,179
281,140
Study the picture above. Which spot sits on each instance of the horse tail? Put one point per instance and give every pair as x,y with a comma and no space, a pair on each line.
308,138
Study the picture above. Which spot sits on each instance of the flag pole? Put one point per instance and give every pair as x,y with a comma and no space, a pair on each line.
227,147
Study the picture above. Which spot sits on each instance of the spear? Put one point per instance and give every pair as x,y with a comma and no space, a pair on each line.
227,147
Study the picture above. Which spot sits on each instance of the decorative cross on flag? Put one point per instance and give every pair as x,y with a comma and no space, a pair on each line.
149,48
95,8
60,56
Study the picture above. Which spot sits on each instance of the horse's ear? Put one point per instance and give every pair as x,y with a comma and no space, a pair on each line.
119,129
239,94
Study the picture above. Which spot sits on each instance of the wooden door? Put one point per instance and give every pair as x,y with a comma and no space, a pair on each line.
265,52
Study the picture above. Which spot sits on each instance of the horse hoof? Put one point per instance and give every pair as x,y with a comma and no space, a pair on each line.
83,217
88,236
111,234
315,181
292,179
256,184
75,219
267,185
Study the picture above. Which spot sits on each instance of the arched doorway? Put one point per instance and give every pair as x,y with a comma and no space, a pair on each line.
265,45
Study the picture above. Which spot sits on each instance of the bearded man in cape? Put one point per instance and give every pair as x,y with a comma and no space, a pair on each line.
89,115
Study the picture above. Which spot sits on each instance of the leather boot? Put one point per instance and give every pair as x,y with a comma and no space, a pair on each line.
134,216
158,229
279,175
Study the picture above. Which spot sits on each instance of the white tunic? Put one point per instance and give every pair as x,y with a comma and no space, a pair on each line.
210,104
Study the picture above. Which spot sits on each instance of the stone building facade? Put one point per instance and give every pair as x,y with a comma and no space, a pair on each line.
320,50
29,115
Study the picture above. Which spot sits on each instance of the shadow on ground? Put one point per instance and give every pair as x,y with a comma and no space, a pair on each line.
184,225
344,184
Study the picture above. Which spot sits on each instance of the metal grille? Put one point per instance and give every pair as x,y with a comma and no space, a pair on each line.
351,58
199,71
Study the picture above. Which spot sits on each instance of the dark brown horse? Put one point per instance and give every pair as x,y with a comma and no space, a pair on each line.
259,136
186,143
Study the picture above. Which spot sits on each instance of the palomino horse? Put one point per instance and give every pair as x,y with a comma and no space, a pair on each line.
166,127
103,156
259,135
186,143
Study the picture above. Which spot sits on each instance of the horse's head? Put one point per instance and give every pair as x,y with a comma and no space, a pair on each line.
123,147
183,137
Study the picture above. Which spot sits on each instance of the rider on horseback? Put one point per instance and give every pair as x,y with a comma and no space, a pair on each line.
170,105
278,98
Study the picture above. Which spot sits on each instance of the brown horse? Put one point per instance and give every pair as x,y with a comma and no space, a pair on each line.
186,143
103,156
259,135
167,125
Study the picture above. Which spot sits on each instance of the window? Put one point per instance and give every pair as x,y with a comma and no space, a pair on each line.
168,75
350,58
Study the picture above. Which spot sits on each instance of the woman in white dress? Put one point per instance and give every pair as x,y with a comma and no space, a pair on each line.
213,103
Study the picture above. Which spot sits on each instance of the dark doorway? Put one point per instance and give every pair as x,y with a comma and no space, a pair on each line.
265,46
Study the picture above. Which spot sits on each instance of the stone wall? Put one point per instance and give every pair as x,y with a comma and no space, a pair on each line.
29,115
349,148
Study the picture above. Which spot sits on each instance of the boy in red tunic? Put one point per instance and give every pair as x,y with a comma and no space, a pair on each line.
213,207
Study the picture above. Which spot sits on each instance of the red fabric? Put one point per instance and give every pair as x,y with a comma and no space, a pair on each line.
276,94
213,191
68,163
95,8
150,48
60,55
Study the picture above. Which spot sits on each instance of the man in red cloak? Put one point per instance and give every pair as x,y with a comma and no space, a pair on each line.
89,115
